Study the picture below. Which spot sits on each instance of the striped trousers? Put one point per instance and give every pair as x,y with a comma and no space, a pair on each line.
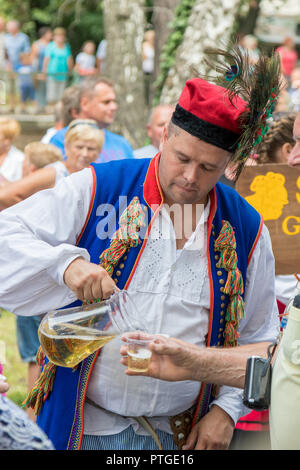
127,440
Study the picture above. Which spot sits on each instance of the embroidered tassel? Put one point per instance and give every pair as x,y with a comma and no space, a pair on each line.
127,236
110,257
226,237
234,283
234,286
228,259
40,357
230,334
41,389
235,309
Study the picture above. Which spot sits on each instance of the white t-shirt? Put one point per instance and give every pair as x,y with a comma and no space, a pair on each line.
85,61
61,170
11,169
148,62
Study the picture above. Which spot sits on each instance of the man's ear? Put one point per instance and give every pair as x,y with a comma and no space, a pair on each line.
83,102
164,137
149,131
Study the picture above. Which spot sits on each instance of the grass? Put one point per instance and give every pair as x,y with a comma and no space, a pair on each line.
14,369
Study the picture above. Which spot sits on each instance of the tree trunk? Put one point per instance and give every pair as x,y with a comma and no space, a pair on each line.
247,23
210,25
163,13
124,22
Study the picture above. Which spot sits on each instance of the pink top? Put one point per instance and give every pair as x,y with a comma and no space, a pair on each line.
288,59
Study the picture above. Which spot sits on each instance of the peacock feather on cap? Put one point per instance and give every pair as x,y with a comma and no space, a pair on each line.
257,84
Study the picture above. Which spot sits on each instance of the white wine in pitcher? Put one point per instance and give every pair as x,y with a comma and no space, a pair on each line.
68,336
69,344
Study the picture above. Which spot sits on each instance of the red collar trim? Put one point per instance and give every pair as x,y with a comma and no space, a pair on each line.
152,191
213,206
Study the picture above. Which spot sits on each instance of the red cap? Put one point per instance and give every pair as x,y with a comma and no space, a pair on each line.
205,111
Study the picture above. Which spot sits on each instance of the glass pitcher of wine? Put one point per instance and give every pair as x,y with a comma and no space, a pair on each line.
69,335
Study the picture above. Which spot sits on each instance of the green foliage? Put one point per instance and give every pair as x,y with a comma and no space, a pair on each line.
149,6
15,370
168,53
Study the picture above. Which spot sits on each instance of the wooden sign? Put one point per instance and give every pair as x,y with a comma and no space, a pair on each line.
274,191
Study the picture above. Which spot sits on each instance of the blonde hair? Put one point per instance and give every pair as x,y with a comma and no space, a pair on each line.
10,128
59,31
41,154
85,129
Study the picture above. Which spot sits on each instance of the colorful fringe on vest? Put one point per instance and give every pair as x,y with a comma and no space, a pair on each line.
125,237
234,287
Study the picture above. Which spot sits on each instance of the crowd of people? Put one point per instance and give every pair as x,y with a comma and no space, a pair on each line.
289,100
54,260
40,71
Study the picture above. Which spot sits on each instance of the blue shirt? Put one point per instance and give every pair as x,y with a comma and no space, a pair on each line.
115,146
25,75
15,45
58,63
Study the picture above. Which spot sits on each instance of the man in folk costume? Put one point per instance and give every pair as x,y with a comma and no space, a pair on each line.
211,286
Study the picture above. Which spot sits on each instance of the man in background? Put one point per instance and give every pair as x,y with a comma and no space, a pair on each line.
16,43
159,117
97,101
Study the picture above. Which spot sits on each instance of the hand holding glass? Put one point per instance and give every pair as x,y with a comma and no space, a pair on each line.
139,354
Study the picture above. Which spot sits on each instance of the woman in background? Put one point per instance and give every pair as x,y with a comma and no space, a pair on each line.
58,63
11,158
38,49
83,143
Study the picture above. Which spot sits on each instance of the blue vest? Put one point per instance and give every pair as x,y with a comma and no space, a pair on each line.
115,185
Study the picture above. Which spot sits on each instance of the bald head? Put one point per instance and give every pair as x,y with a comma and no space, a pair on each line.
13,27
158,119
